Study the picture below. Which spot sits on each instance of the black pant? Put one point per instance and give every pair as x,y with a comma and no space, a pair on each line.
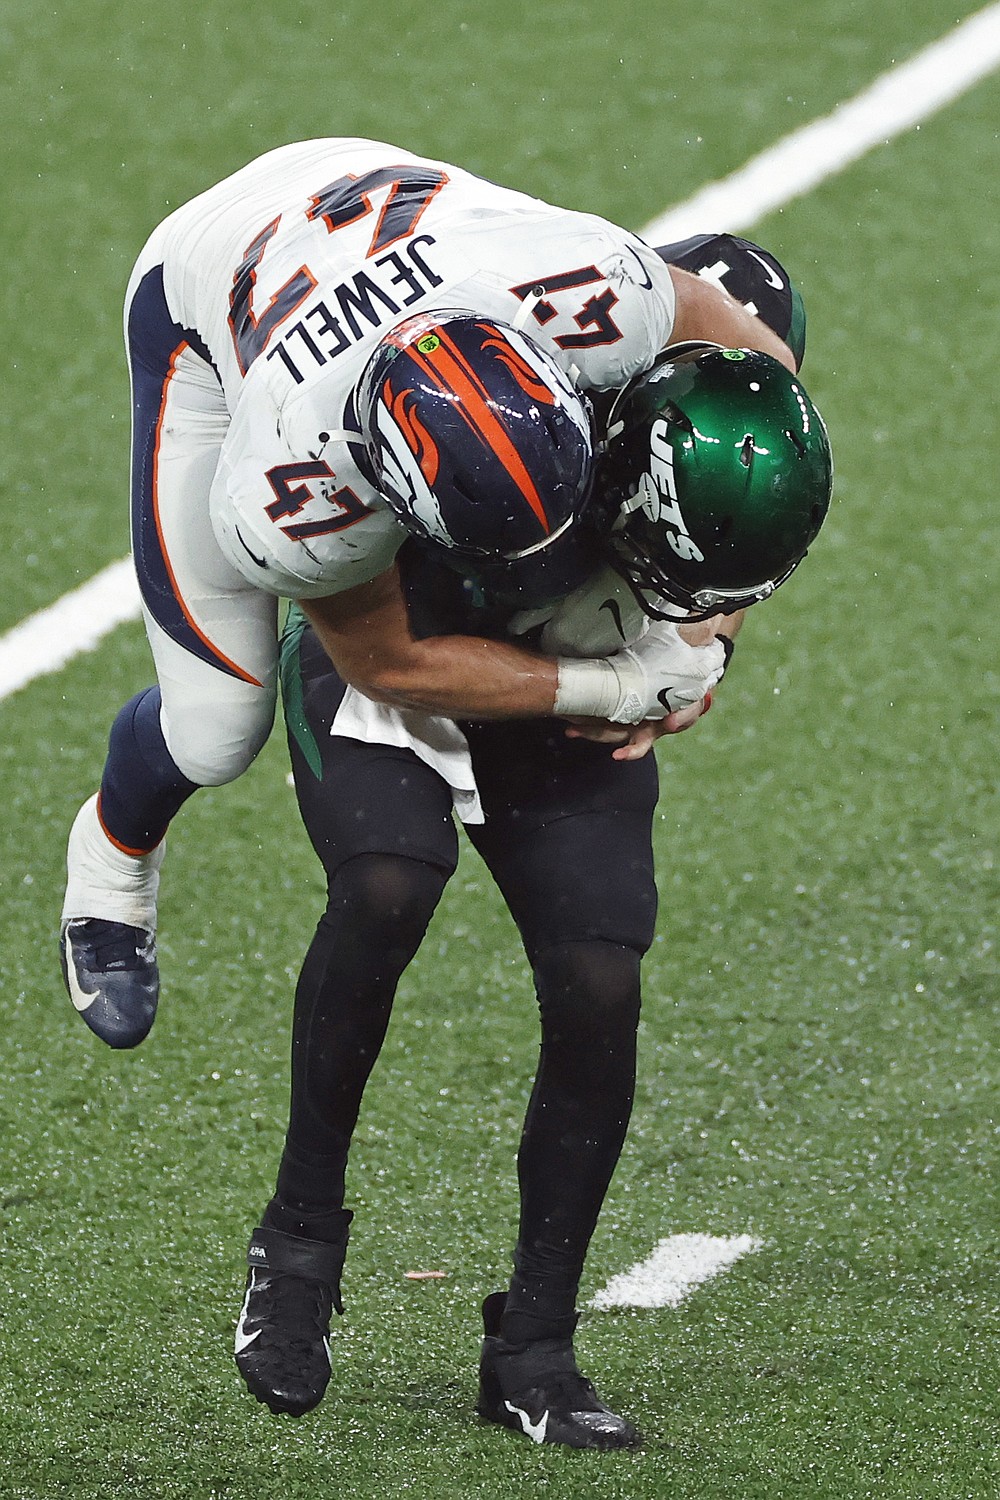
567,839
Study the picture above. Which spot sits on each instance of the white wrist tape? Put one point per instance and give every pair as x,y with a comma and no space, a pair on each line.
595,690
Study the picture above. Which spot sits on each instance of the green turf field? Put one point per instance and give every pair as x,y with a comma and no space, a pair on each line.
818,1061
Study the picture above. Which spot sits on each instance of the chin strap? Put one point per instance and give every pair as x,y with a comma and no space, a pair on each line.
528,305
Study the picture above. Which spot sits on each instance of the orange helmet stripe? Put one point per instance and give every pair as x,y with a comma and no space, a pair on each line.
453,372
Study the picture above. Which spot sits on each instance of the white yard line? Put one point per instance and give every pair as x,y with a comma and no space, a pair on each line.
77,622
676,1267
898,99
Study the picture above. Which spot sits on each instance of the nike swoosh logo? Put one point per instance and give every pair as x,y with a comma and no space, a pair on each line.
79,996
260,561
647,281
244,1339
772,279
611,605
535,1430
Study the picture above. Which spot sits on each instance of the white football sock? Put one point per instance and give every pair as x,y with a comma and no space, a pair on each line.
104,882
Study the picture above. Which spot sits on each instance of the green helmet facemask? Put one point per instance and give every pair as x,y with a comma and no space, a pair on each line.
716,477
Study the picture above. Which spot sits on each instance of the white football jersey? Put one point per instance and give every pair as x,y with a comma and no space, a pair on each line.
292,270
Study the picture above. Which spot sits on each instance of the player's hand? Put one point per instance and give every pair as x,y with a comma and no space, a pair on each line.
636,741
644,736
664,671
599,731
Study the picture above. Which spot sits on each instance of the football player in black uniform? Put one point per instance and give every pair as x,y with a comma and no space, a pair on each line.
714,478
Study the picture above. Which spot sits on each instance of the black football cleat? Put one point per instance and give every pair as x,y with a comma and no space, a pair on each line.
537,1390
283,1335
111,976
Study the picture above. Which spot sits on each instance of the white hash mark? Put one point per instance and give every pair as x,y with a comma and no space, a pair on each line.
677,1265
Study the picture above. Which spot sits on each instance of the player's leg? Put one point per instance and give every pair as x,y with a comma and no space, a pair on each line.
380,821
213,642
578,878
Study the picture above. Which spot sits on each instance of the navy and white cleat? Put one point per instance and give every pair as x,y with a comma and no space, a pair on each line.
111,976
537,1390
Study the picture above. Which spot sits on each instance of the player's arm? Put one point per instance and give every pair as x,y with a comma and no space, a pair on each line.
366,633
704,311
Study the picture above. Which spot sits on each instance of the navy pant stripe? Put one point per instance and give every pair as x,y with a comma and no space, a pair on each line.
155,343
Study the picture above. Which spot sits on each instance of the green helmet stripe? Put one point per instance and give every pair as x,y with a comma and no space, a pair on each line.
795,338
290,668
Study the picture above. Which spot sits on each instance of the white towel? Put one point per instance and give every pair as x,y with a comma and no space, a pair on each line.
438,742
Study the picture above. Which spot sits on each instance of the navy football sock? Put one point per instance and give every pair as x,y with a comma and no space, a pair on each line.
142,786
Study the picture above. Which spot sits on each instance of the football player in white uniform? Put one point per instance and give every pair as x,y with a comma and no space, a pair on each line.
259,471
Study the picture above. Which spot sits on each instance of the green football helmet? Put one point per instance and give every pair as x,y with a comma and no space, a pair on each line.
715,478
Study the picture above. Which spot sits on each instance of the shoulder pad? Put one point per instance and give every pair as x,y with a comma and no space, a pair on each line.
749,273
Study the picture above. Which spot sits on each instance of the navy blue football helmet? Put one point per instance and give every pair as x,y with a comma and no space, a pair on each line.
483,448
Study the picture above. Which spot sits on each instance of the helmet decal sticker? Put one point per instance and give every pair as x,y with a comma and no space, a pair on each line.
660,502
418,439
404,474
530,382
557,382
